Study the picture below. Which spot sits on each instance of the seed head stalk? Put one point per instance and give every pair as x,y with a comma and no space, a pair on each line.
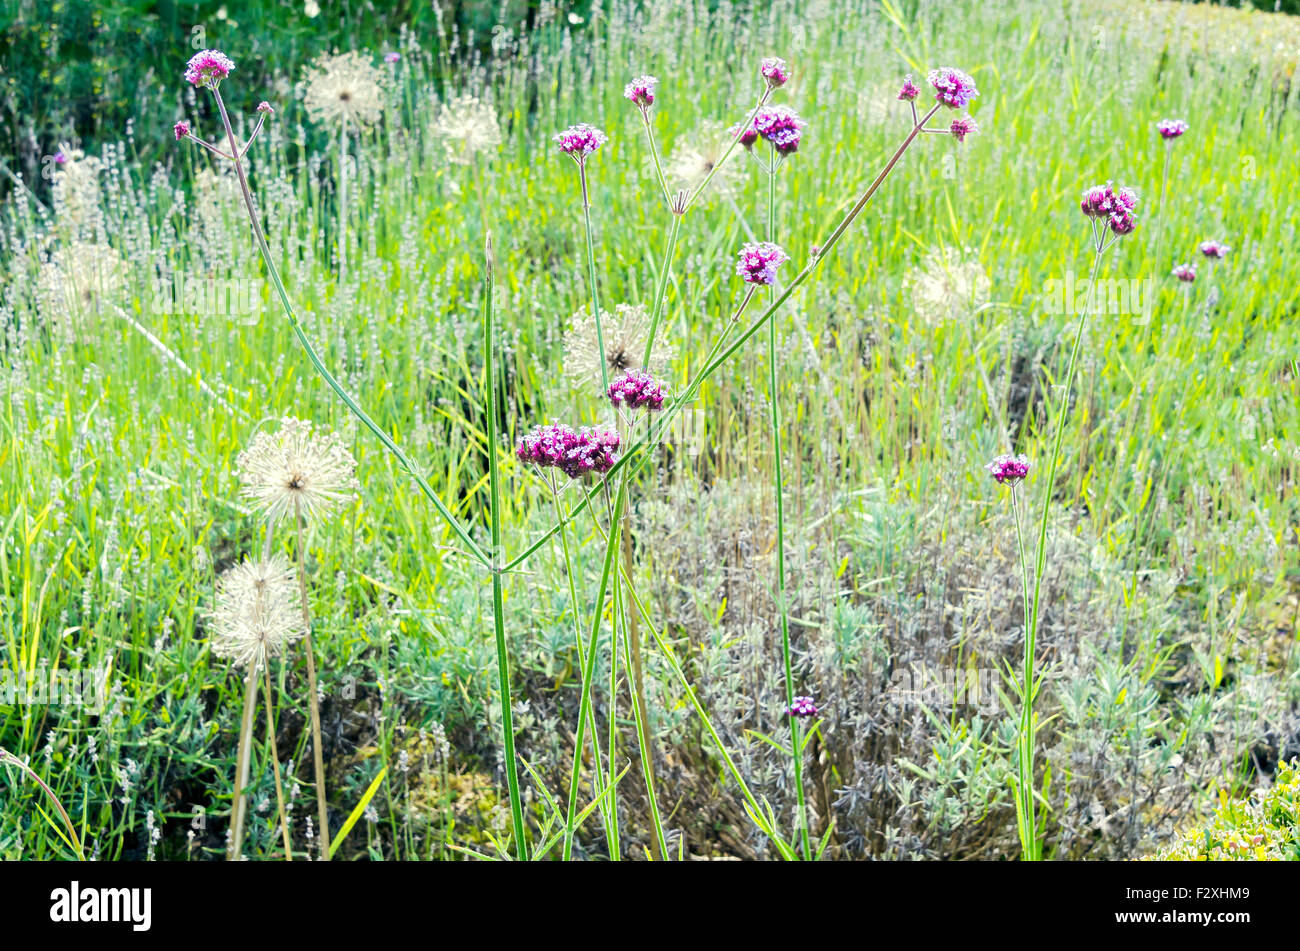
242,760
498,605
275,762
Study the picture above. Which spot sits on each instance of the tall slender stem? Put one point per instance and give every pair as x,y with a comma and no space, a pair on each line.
475,550
498,599
275,761
242,760
313,692
343,200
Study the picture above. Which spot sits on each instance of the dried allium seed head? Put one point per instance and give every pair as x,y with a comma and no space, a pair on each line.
698,155
254,615
948,282
625,331
467,126
208,68
344,87
297,470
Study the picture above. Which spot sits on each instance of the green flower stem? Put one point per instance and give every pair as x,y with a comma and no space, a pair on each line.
313,692
730,148
238,805
275,761
588,673
796,751
324,372
654,152
498,606
661,290
591,276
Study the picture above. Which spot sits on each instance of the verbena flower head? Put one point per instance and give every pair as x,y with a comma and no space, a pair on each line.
297,470
60,158
641,91
963,127
208,68
780,126
909,91
802,707
952,87
181,130
392,57
1171,128
747,135
580,141
467,126
1215,249
576,453
1115,206
1185,273
775,71
637,389
264,107
254,615
758,262
1008,468
343,88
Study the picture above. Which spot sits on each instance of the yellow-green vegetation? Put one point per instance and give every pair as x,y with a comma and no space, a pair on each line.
1265,826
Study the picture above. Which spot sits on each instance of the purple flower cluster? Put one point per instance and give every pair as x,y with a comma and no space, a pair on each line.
1116,206
580,140
952,87
909,90
1215,249
392,57
1171,128
963,127
1185,273
775,71
265,107
1009,468
181,129
641,91
637,389
575,453
758,262
207,68
747,135
781,126
802,707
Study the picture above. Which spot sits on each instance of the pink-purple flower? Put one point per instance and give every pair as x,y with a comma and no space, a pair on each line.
637,389
1171,128
181,130
952,87
265,107
747,136
909,90
802,707
208,68
1215,249
1185,273
775,71
392,57
780,126
1116,206
963,127
580,140
758,262
641,91
1008,468
576,453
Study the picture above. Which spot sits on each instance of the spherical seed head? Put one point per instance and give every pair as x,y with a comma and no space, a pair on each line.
1185,273
963,127
909,91
758,262
952,87
467,126
181,130
344,88
255,615
1215,249
208,68
775,71
1008,468
641,91
297,470
1170,129
580,140
802,707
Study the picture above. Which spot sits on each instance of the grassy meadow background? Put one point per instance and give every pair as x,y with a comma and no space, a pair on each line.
924,347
